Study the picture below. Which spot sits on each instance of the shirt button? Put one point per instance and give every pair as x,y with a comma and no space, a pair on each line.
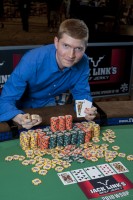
54,85
49,94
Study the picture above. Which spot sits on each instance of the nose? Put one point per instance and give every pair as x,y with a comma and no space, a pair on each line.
71,53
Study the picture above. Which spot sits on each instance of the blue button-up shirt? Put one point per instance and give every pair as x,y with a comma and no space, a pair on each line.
37,80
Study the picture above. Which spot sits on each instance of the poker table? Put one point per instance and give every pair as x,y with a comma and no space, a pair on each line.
16,179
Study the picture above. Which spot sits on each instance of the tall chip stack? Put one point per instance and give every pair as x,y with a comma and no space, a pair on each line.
54,121
62,123
24,140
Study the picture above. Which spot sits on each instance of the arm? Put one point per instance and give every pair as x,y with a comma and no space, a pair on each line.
12,93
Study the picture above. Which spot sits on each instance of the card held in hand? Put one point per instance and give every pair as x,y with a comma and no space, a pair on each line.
81,105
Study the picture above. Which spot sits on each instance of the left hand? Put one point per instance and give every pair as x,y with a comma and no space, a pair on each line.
90,113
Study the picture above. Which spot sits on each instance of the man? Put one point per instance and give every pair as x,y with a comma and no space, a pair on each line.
45,72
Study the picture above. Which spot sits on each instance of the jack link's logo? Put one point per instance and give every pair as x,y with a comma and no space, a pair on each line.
95,64
98,73
106,187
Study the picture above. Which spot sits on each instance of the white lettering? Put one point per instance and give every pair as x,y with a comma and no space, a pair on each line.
3,78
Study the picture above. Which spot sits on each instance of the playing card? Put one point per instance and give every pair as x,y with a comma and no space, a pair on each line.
106,169
93,172
66,178
119,167
80,175
80,107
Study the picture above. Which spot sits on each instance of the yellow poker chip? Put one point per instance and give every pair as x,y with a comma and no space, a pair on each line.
66,165
104,145
110,159
32,161
104,138
47,167
25,162
39,164
59,169
36,181
9,158
115,147
130,157
122,155
53,165
95,139
43,172
34,116
21,158
110,140
35,169
93,159
15,157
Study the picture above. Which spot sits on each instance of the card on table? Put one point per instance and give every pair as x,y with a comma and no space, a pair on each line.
66,178
80,107
119,167
93,172
106,169
80,175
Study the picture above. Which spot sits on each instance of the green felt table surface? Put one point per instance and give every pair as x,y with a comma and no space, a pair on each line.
16,179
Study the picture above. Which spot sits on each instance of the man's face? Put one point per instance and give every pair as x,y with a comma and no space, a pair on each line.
69,50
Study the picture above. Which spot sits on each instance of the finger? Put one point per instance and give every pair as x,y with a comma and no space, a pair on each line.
26,118
90,111
38,122
27,126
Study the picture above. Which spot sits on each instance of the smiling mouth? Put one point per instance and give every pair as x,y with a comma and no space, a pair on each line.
69,61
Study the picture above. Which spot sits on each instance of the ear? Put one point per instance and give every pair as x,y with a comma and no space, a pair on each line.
56,42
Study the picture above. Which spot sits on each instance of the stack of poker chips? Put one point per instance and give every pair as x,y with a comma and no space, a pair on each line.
61,123
91,130
47,139
24,140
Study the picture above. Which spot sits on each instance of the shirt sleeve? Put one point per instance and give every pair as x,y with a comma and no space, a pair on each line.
13,91
81,90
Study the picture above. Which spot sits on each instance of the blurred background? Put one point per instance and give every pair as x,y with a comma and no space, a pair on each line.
25,22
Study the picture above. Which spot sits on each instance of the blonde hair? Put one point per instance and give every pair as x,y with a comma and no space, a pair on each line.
75,28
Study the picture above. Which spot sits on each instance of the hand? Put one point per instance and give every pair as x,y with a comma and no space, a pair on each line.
27,121
90,113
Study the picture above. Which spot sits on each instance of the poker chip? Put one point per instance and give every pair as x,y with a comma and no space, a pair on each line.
130,157
32,161
47,166
39,164
122,155
95,139
59,169
94,159
43,172
25,162
9,158
35,169
34,116
21,158
15,157
115,147
36,181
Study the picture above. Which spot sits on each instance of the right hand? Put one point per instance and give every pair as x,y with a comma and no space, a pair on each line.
27,121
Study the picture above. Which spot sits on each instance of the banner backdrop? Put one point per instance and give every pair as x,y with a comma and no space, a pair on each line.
110,70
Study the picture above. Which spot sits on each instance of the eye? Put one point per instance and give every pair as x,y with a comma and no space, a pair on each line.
66,46
78,49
